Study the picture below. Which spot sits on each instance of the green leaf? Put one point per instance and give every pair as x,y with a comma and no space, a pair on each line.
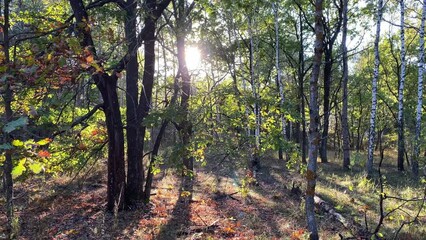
19,169
17,143
36,167
5,146
13,125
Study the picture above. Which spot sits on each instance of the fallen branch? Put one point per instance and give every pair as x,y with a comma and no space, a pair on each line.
355,228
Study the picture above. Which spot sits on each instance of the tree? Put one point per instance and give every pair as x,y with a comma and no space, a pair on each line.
181,11
7,98
314,135
371,136
331,32
277,66
421,58
345,125
401,145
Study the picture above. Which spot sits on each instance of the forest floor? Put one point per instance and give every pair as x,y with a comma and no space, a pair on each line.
221,205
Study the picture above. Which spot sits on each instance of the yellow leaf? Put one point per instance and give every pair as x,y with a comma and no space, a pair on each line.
17,143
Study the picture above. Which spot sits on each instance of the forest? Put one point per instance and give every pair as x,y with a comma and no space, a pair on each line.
212,119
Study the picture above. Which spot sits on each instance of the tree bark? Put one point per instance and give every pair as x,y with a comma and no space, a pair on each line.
330,38
314,135
107,87
279,83
135,172
301,77
186,125
345,125
401,145
7,98
415,164
371,136
255,161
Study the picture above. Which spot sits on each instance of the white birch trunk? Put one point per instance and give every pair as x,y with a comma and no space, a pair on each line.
415,164
374,90
401,144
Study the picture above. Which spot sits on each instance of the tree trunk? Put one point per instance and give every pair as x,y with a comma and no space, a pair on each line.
280,84
301,77
416,154
135,173
107,87
186,125
401,145
116,170
345,125
371,136
7,98
328,64
314,135
255,161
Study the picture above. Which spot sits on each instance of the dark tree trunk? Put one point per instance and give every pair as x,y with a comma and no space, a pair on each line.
328,64
116,170
344,118
7,97
107,87
135,172
301,76
186,125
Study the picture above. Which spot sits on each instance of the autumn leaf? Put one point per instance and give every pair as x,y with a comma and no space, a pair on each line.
89,59
44,141
17,143
43,153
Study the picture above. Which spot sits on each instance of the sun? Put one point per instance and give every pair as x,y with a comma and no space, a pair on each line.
193,58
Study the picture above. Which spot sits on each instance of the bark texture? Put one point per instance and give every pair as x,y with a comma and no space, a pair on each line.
401,145
372,132
415,163
345,125
314,135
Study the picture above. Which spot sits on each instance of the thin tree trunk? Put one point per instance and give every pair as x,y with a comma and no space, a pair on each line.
328,71
328,65
415,165
254,163
314,135
7,98
371,136
345,125
301,76
401,145
280,84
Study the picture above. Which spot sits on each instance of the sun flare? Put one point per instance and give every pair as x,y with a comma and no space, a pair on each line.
193,58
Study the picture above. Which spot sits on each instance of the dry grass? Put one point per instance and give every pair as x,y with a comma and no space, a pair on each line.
221,205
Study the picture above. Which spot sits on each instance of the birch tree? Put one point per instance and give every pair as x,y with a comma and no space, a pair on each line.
314,134
415,164
371,136
401,145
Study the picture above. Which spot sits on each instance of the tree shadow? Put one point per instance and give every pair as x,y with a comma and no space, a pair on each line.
180,221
